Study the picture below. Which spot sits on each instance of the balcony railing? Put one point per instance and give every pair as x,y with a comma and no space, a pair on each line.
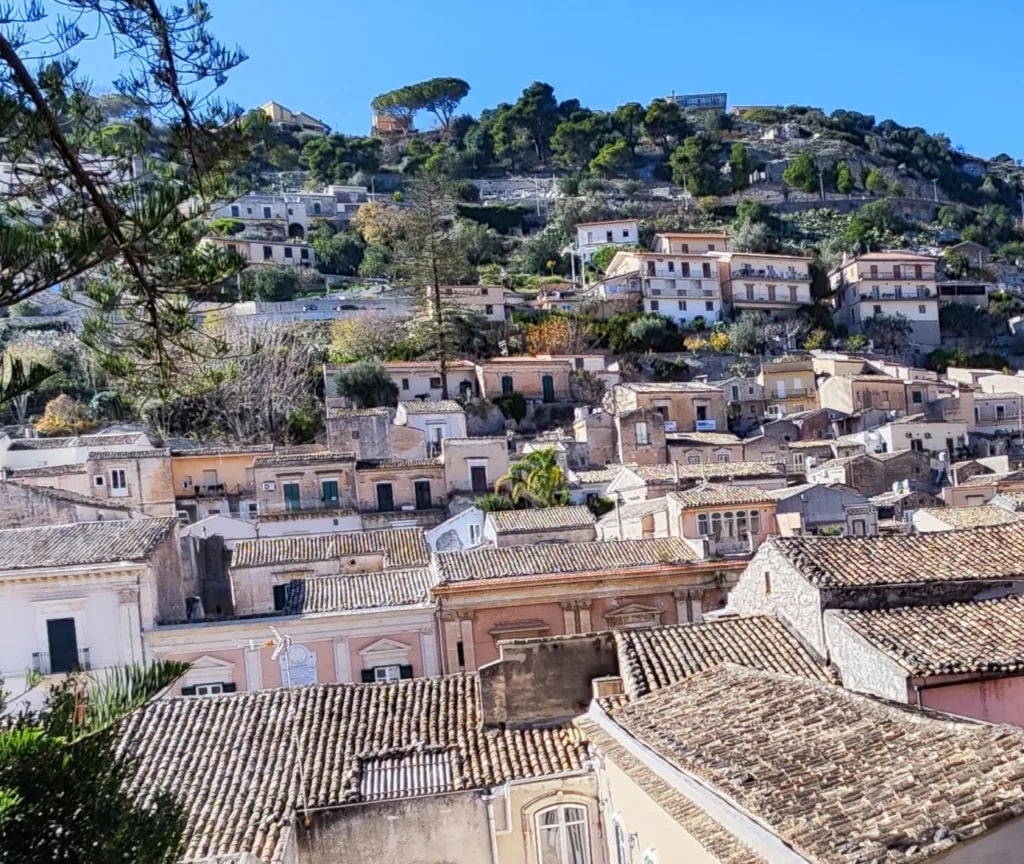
695,293
765,297
41,663
739,546
909,294
304,505
904,273
789,393
769,274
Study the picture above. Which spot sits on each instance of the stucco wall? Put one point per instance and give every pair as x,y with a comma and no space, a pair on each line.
527,378
22,507
403,485
863,667
631,449
460,454
439,829
309,477
574,535
232,470
150,484
995,700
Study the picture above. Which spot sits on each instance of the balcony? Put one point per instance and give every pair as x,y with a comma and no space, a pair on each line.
897,294
216,490
698,293
41,663
906,274
770,275
789,393
767,298
682,277
745,545
303,505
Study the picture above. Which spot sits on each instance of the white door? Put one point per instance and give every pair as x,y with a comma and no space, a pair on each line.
780,388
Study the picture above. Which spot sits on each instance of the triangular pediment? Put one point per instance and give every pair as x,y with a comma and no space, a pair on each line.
208,662
384,646
633,609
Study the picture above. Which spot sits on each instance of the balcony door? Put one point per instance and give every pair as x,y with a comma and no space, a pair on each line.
63,644
329,489
291,496
547,384
478,478
385,498
423,501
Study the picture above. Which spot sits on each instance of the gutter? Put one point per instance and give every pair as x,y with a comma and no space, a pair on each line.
744,827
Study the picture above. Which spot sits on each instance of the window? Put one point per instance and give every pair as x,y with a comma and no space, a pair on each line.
625,233
723,457
316,208
421,489
767,583
709,306
706,270
918,273
280,597
1000,412
483,292
622,855
642,437
291,212
387,673
385,498
878,309
792,293
304,254
702,412
287,251
405,383
506,385
682,305
654,305
209,689
755,521
609,236
702,524
671,266
735,393
489,310
562,836
917,444
478,479
711,247
859,528
268,253
234,210
897,272
920,308
684,268
693,460
684,248
917,397
118,482
329,492
474,533
292,500
266,212
100,480
435,383
62,643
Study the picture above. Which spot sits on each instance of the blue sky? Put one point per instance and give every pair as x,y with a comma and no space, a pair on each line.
949,67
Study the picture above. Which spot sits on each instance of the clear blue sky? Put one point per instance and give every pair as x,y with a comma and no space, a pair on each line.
947,66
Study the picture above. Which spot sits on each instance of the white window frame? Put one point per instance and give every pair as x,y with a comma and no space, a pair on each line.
119,489
387,674
475,533
214,689
623,853
643,437
563,835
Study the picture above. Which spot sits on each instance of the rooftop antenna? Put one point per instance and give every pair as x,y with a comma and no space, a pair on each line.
281,645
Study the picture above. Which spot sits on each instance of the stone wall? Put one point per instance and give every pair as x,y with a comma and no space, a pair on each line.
435,829
863,667
545,680
23,507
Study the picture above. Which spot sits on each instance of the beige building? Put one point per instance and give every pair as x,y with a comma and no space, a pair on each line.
692,448
544,379
777,285
533,526
685,406
216,479
400,485
417,379
887,283
492,302
850,393
789,385
266,250
300,121
473,465
295,483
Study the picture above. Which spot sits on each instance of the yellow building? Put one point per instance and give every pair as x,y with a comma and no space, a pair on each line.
789,385
216,479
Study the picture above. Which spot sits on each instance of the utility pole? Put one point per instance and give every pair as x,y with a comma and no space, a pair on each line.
821,182
935,189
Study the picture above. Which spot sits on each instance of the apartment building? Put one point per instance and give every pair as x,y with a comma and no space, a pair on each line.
300,121
680,279
216,479
492,302
283,253
789,385
887,283
686,406
591,236
777,285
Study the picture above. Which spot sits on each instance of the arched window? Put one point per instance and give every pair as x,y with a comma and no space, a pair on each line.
563,836
702,524
622,855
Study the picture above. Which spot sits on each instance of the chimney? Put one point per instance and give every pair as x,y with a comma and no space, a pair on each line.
610,685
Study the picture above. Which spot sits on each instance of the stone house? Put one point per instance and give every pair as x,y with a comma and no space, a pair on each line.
436,420
686,406
812,508
597,430
789,385
416,379
641,482
726,520
310,483
916,433
849,393
692,448
371,434
400,485
544,379
574,524
216,479
80,595
744,399
873,474
640,437
472,466
26,506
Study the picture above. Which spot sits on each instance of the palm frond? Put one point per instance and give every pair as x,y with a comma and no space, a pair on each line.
125,689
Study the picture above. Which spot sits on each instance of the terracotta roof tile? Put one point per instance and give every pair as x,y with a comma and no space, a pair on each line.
231,759
110,455
222,450
712,494
609,556
708,470
374,464
842,778
441,406
984,636
301,460
401,547
660,656
82,543
972,517
353,591
338,413
542,519
47,470
995,552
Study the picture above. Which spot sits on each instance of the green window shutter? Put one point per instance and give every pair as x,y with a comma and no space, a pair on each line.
367,676
405,671
229,688
188,691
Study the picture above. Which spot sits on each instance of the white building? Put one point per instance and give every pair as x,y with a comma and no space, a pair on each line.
284,253
436,420
78,596
591,236
777,285
42,452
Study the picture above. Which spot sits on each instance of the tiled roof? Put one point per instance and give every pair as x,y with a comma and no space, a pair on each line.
657,657
712,494
841,778
401,548
338,413
231,760
423,364
810,445
669,387
542,519
441,406
710,470
222,450
596,475
374,464
352,591
984,636
111,455
82,543
610,556
972,517
76,497
47,470
996,552
301,460
636,510
113,440
717,439
1014,498
724,847
986,479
